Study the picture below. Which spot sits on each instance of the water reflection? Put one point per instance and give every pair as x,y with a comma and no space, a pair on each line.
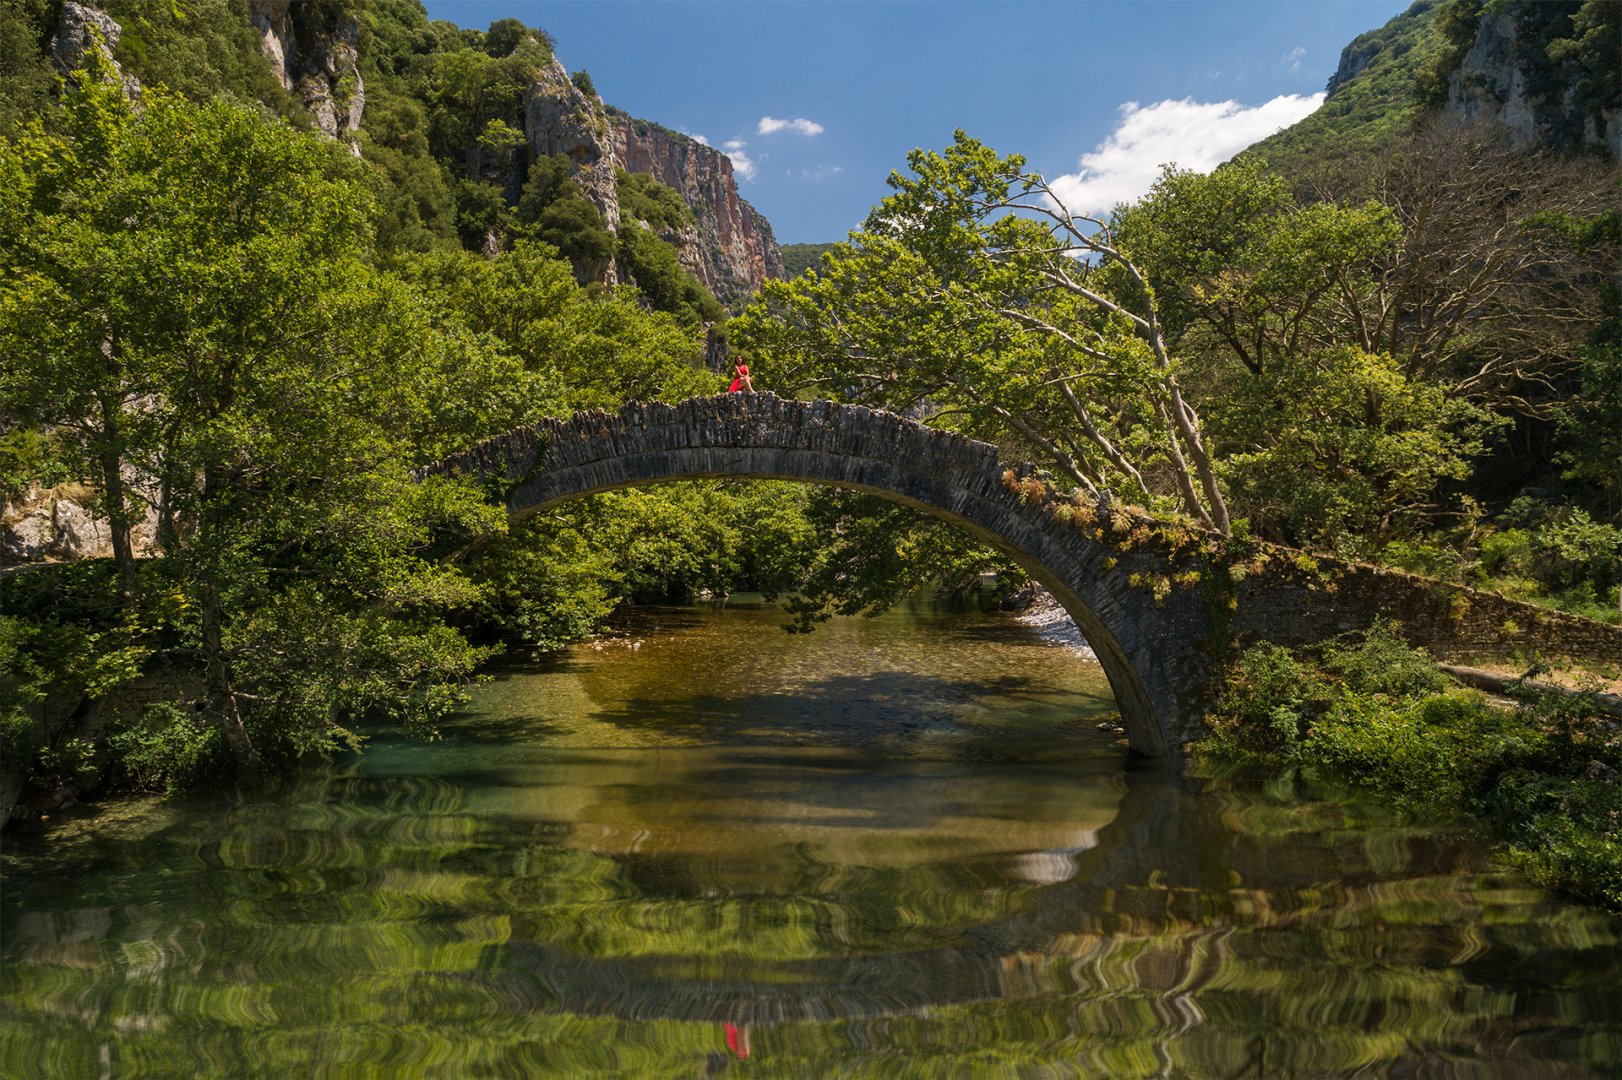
899,847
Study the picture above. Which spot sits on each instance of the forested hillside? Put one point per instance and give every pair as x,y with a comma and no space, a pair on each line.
798,258
1547,71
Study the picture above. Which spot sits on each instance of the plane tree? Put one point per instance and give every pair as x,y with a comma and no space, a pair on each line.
974,298
186,302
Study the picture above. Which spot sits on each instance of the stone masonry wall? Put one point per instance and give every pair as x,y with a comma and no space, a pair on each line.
1163,603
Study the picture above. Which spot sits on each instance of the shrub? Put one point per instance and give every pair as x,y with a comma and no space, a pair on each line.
1379,661
1374,713
1263,707
168,751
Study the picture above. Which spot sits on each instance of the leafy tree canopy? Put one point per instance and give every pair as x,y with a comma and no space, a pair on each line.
195,276
973,295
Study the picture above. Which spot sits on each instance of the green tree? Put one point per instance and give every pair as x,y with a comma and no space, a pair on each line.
195,277
413,191
26,78
865,554
647,256
554,208
580,348
74,320
204,49
652,265
1321,432
654,204
974,294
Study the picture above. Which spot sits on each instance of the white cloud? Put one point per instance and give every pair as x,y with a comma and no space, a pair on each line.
742,164
770,125
1195,135
700,139
1294,59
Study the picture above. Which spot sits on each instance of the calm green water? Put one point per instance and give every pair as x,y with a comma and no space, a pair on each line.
895,847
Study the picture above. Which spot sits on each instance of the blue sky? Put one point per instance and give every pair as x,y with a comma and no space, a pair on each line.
818,101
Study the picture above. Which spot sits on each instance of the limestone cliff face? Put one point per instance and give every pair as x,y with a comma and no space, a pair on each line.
78,30
734,252
1506,77
731,248
316,55
559,119
64,523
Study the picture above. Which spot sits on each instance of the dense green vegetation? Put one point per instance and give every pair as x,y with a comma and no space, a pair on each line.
1377,105
798,258
201,321
1373,713
1308,371
1393,77
218,321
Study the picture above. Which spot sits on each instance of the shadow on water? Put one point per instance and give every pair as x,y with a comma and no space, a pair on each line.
897,712
902,847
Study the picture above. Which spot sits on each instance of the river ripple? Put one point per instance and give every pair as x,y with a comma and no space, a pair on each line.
896,847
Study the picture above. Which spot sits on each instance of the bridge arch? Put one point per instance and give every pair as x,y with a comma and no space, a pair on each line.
1156,682
1162,614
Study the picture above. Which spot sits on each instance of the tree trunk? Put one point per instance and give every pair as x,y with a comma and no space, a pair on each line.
217,669
217,664
112,486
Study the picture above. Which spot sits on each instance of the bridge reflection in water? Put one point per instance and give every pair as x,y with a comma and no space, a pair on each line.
930,866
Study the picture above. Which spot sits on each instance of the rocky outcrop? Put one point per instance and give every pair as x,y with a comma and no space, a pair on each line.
730,248
560,119
735,252
61,523
315,53
763,255
77,29
1508,76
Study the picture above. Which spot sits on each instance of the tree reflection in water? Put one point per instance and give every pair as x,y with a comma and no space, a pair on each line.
931,866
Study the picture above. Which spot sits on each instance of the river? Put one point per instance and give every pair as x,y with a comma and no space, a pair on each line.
904,846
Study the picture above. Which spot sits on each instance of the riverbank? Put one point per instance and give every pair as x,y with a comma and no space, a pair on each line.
1539,778
1053,622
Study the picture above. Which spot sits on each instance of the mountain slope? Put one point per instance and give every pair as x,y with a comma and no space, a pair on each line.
1371,97
475,137
1548,72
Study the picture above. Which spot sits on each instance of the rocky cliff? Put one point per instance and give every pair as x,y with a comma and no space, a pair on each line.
1546,71
1523,73
314,51
64,523
734,251
560,119
730,249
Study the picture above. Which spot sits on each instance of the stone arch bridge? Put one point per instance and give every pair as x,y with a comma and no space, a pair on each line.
1162,603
